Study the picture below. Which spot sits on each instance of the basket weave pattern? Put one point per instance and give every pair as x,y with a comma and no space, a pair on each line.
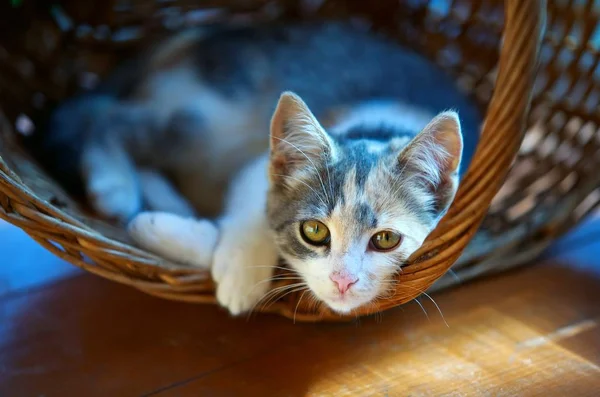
492,49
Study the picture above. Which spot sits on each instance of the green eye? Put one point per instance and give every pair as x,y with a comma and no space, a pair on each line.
315,232
385,240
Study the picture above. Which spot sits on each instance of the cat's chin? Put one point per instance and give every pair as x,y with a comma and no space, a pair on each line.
345,305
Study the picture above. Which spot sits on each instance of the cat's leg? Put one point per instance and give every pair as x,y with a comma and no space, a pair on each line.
110,179
246,255
159,194
107,165
183,240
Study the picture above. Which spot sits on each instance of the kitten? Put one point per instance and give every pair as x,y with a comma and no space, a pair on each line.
362,160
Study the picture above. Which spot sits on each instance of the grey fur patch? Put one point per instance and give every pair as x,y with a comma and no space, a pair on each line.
365,216
354,156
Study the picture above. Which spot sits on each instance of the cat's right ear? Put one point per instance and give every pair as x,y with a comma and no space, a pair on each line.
297,139
433,159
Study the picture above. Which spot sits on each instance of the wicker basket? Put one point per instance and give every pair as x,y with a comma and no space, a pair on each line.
492,48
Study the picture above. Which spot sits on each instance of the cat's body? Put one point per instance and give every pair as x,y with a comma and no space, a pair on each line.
200,112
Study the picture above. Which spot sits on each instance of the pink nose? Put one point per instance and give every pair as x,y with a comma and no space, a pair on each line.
343,280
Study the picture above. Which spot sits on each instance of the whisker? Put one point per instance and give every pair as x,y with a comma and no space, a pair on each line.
277,290
289,270
272,301
298,304
270,293
274,294
313,164
279,279
270,267
432,301
437,307
271,279
305,184
378,313
316,303
369,306
422,308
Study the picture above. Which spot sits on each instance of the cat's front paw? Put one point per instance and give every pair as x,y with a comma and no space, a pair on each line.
184,240
114,197
243,272
240,289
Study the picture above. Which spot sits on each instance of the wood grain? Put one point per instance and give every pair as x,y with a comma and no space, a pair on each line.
529,332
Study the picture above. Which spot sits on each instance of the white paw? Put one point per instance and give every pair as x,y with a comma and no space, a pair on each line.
184,240
242,268
114,197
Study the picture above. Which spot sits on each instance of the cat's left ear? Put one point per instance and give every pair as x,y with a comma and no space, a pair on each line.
297,139
433,159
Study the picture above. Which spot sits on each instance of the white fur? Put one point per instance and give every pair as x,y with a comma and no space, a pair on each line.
111,185
246,256
184,240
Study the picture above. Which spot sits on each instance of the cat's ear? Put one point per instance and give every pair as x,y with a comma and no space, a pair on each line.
297,139
432,159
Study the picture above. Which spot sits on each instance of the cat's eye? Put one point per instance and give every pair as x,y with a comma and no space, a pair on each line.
385,240
314,232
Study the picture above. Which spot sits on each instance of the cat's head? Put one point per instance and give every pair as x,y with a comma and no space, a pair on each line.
347,214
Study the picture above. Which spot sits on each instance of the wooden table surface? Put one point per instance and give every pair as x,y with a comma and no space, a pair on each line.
528,332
